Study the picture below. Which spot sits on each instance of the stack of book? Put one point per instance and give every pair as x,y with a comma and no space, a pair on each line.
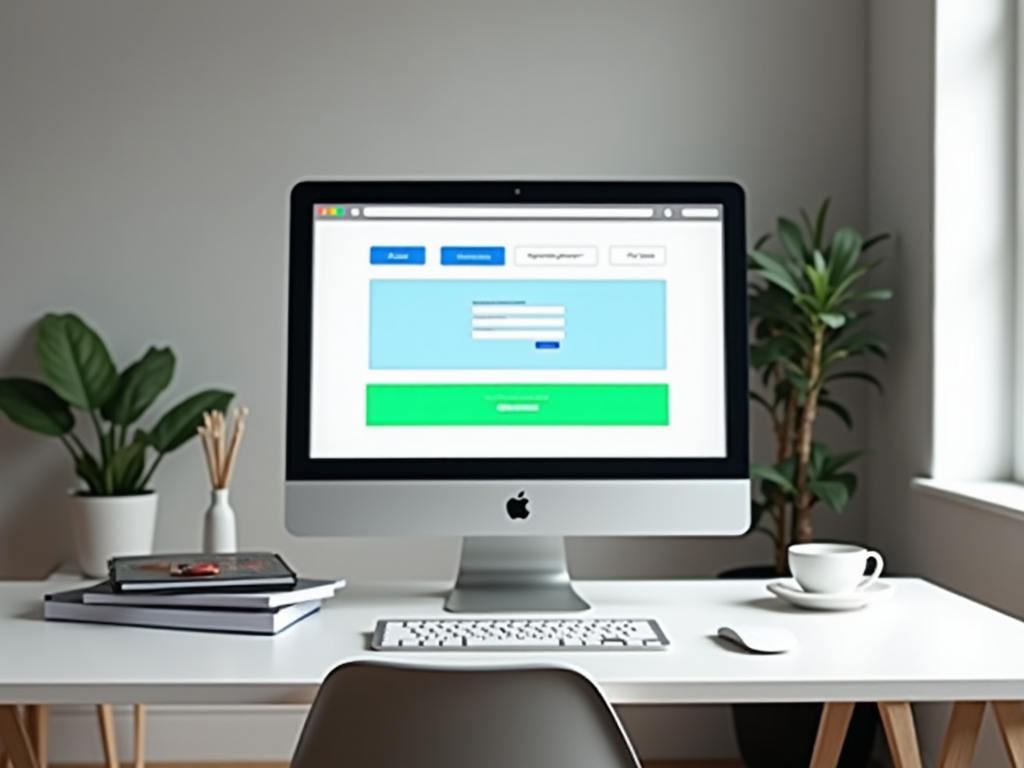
252,592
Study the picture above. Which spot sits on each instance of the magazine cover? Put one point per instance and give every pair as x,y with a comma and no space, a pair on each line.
199,570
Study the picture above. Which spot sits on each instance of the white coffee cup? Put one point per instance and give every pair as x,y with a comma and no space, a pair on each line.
833,568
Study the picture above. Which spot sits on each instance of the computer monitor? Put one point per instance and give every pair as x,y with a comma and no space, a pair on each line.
515,362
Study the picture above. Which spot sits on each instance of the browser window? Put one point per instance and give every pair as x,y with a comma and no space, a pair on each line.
517,331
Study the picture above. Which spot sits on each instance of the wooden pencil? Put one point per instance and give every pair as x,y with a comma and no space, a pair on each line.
236,441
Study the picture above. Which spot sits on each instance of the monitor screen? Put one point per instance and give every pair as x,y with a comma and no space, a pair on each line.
452,331
470,331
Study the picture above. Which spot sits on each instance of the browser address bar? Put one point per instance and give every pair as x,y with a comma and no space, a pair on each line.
469,212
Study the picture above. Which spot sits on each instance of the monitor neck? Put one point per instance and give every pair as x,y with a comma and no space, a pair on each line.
502,574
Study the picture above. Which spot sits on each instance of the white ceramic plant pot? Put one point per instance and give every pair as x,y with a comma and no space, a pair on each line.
111,526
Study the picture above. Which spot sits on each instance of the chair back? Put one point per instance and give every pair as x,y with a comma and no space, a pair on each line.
380,715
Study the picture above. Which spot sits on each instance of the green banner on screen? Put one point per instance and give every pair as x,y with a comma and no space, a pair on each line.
489,405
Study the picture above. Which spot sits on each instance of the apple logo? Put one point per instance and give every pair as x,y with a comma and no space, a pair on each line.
516,507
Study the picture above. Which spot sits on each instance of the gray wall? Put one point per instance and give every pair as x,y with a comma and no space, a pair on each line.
147,150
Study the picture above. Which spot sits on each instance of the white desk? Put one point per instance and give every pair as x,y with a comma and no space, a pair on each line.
924,644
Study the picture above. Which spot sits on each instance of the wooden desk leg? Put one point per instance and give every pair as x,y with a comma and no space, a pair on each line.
37,723
106,716
835,719
962,734
1010,719
140,736
898,720
15,739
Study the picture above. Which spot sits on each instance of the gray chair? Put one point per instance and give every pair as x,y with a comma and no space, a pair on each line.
380,715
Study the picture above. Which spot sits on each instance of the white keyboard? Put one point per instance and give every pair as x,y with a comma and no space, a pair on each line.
518,635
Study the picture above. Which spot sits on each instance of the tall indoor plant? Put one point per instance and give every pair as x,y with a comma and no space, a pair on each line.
808,305
114,512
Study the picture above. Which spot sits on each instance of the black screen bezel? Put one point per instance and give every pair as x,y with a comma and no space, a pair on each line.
305,195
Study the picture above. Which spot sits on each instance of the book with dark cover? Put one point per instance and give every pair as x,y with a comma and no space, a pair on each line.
199,571
259,599
69,606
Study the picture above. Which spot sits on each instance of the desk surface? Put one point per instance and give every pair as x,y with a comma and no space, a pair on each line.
923,644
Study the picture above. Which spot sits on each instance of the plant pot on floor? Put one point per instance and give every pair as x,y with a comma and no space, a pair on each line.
778,735
111,526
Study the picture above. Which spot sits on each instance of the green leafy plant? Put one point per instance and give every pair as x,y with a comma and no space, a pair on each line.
807,310
80,374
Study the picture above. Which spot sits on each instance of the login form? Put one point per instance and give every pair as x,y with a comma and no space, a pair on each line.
490,332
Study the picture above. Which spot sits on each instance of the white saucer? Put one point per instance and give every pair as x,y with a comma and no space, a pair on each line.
792,593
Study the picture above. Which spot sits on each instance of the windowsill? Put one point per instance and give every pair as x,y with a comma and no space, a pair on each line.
1000,496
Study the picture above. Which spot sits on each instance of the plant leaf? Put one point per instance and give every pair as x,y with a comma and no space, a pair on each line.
139,385
837,409
836,461
792,239
849,480
810,229
770,269
773,475
862,375
88,469
179,424
126,467
874,240
833,319
819,261
819,227
858,343
75,361
774,349
876,294
36,407
834,493
845,250
816,465
758,398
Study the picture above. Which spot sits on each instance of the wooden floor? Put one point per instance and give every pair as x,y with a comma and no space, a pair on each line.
269,764
648,764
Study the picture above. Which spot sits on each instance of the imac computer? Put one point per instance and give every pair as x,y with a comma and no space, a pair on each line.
513,363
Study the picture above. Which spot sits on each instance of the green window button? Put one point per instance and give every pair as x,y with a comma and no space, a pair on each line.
464,405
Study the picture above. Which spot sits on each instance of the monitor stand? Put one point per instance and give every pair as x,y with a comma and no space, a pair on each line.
509,574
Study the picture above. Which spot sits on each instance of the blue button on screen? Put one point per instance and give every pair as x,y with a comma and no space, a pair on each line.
392,254
453,256
547,345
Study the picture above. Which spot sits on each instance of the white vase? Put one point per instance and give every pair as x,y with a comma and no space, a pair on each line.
219,524
111,526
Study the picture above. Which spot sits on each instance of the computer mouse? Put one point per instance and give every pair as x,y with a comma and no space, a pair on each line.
759,638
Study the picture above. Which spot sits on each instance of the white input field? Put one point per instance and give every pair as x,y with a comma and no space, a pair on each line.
556,256
637,255
519,322
699,213
501,310
511,212
537,335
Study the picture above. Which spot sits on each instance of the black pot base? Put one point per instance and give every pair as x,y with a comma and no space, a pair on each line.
783,735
